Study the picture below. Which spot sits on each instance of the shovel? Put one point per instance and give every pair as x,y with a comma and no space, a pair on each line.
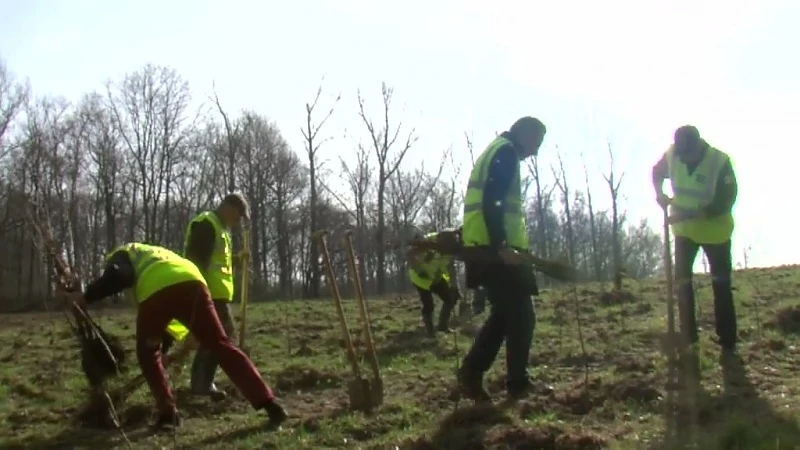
244,283
359,389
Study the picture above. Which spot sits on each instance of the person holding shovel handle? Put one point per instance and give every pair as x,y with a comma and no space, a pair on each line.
700,214
208,245
494,217
167,288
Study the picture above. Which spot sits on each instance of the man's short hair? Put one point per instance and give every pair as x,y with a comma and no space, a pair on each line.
688,133
528,124
238,201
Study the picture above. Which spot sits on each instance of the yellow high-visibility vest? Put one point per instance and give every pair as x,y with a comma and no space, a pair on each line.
696,191
435,267
219,275
157,268
475,232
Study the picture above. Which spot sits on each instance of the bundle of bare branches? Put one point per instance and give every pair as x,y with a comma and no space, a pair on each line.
102,354
449,242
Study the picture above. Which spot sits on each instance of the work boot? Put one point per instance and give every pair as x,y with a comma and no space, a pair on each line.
517,390
277,415
427,320
471,386
167,420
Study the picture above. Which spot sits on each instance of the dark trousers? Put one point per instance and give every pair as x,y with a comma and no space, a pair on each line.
511,319
190,303
449,298
205,364
719,258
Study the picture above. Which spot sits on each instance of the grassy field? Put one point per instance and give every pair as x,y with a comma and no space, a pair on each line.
630,400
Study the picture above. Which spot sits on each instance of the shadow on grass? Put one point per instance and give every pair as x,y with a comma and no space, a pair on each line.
79,438
405,342
738,418
308,424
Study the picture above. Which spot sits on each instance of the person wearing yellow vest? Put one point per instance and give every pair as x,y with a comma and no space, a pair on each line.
207,243
700,214
167,287
428,271
494,217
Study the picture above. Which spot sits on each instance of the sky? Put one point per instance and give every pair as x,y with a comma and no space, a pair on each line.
624,72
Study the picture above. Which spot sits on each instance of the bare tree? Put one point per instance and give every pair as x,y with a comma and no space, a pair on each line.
313,143
384,139
149,108
614,184
563,185
541,205
596,265
13,96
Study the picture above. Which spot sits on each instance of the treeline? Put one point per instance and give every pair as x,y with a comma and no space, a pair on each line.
133,161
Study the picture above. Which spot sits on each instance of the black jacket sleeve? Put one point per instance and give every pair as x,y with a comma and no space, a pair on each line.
201,244
118,275
726,193
501,174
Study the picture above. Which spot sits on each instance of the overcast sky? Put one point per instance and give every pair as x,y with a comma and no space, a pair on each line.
624,70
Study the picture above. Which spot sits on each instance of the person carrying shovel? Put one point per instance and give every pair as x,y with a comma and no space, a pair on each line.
494,217
208,245
167,288
428,271
700,214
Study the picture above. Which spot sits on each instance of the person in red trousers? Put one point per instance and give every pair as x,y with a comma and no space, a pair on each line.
166,286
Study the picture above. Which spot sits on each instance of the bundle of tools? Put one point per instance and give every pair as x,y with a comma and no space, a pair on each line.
102,355
450,242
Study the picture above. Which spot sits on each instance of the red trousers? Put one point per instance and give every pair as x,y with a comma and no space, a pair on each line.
190,303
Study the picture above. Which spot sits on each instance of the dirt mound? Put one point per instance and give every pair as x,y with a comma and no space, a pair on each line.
304,350
541,437
616,297
544,437
787,320
295,378
582,399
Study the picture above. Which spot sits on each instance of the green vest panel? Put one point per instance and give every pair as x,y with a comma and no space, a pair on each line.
696,191
434,267
157,268
220,271
475,232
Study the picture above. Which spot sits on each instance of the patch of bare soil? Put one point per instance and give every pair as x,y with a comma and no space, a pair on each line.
582,399
787,320
493,432
192,405
616,297
769,344
544,437
296,377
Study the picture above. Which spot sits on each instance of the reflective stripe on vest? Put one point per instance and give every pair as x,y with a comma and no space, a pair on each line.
696,191
435,269
219,275
156,268
475,232
177,330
